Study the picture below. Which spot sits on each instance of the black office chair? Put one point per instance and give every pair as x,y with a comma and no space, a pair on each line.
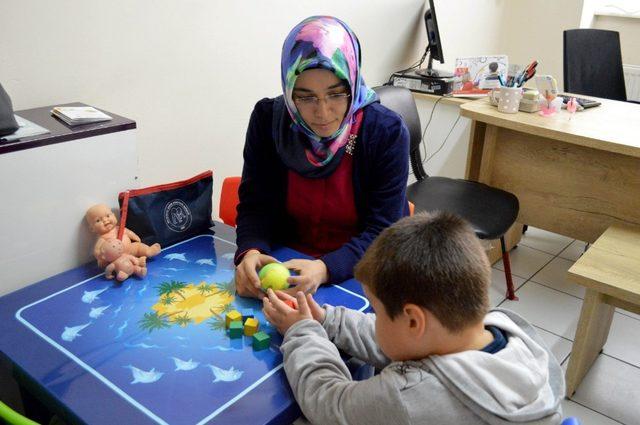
593,64
490,211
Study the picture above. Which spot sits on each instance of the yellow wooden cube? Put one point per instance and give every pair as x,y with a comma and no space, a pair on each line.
251,326
232,316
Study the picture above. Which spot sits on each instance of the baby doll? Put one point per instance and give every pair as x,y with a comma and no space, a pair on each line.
103,222
121,265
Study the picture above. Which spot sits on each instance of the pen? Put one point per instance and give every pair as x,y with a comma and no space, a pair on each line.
527,73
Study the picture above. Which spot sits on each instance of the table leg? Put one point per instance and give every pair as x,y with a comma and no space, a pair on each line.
592,332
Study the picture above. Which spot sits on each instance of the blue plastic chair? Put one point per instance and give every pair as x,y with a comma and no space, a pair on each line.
571,421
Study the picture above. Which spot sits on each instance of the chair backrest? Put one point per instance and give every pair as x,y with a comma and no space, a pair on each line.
229,200
593,64
400,100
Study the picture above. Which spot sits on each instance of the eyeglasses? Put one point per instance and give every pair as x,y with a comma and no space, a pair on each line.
333,100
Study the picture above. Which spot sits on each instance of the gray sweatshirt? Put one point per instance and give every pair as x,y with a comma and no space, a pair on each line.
522,383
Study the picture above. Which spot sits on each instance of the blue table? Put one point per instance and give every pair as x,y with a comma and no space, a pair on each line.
152,350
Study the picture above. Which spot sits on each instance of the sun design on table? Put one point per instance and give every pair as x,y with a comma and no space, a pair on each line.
182,304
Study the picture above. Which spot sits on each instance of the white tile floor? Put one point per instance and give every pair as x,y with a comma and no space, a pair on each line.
610,393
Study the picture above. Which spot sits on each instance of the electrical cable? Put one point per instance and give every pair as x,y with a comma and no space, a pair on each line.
444,141
414,66
422,140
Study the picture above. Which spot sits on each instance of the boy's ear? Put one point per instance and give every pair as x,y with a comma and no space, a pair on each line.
416,319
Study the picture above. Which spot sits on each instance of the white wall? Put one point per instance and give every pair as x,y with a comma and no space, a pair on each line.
533,30
629,29
45,194
189,72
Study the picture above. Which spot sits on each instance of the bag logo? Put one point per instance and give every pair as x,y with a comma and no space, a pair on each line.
177,216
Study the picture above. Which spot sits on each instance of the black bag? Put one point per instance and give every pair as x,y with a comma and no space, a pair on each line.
8,123
169,213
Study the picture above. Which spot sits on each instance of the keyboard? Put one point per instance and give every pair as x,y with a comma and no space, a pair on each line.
585,103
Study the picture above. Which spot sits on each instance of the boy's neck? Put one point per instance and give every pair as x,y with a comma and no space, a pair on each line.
474,337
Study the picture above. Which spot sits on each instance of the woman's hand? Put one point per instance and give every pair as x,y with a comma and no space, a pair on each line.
247,280
311,274
282,317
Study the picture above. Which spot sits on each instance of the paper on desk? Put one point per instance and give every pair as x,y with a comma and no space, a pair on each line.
26,129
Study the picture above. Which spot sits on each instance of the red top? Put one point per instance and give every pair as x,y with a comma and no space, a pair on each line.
323,210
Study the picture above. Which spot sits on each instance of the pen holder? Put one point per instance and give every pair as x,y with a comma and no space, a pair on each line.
507,99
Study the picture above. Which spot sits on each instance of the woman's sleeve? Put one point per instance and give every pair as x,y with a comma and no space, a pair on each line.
386,186
258,193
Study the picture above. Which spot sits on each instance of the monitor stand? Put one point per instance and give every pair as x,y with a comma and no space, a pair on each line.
429,72
433,73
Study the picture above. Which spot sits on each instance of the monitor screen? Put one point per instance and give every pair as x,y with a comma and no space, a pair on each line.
433,35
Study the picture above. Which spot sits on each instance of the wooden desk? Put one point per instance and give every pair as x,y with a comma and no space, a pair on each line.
610,271
444,99
573,177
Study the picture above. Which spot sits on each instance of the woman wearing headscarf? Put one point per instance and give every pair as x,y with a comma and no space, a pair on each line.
325,164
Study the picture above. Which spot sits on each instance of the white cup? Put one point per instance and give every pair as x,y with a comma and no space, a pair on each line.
508,99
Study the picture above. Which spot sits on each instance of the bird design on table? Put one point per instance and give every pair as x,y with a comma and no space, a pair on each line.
229,375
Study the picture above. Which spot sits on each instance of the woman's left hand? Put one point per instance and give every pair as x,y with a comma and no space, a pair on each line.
311,274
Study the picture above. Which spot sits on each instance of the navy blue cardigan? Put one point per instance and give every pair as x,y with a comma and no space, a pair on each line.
380,172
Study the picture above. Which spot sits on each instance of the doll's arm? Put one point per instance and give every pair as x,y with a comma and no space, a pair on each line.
108,272
96,252
132,235
134,260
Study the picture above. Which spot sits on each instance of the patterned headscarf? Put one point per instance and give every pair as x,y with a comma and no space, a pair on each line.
317,42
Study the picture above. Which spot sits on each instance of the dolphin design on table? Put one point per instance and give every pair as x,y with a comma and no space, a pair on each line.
91,296
180,257
98,311
73,332
207,261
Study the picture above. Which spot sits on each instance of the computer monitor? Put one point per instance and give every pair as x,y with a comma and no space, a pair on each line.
435,46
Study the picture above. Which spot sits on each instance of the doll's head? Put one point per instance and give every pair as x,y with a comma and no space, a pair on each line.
101,219
111,250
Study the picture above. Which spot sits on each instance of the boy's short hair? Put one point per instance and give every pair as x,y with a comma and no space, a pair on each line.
434,261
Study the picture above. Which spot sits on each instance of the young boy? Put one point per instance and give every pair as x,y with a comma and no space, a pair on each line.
443,359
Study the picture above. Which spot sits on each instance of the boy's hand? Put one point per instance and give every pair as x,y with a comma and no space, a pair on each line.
281,316
318,313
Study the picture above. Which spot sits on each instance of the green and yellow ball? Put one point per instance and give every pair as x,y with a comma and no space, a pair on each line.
274,276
